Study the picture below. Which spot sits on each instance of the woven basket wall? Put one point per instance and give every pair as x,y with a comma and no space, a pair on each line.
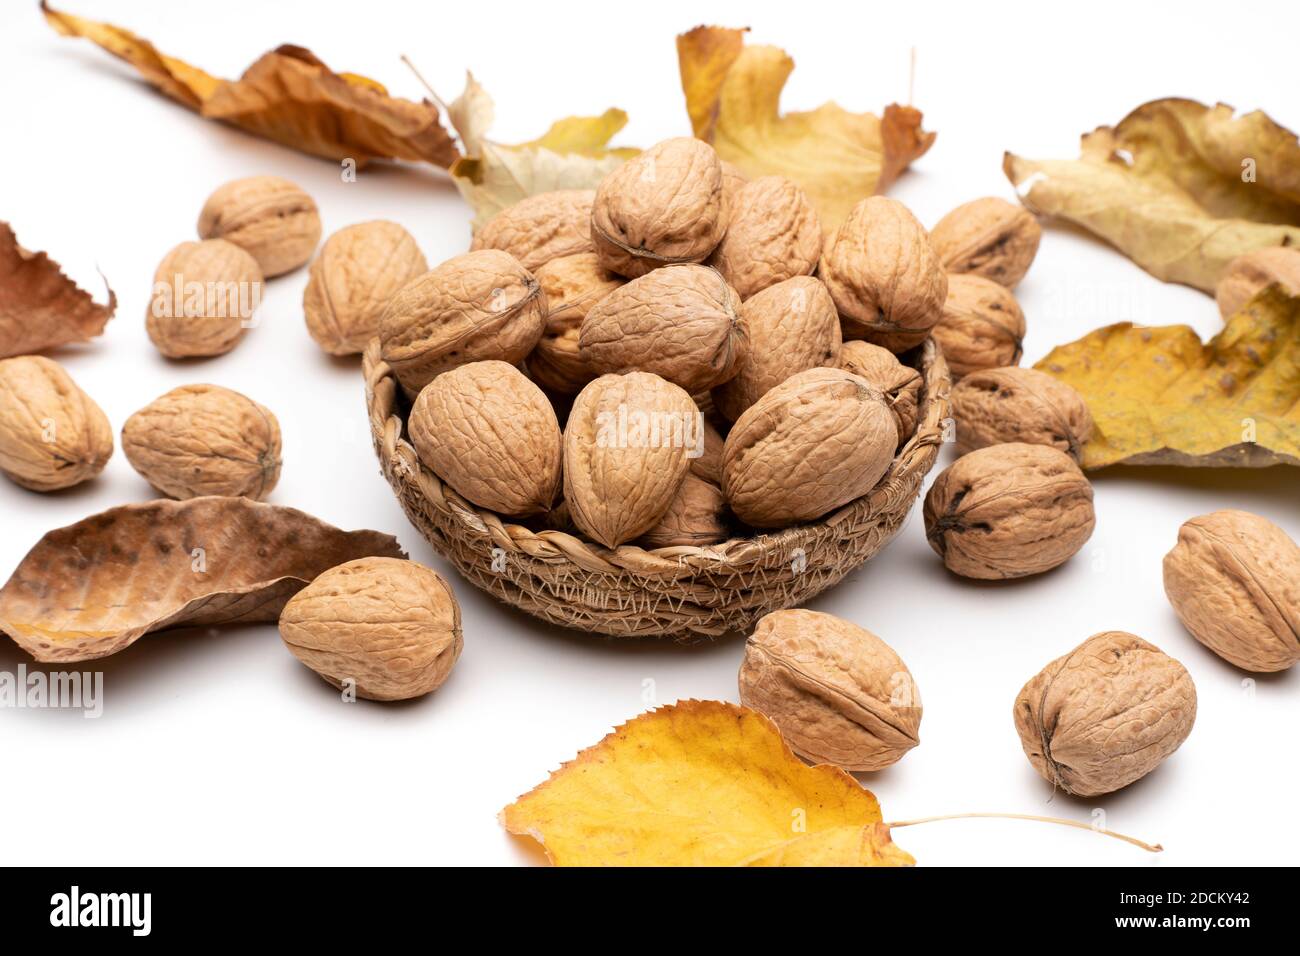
629,591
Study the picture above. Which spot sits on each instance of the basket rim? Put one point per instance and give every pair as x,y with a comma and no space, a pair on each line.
400,463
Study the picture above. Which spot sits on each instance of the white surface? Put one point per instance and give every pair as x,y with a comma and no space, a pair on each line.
221,748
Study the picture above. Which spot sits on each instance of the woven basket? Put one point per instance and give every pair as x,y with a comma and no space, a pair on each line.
629,591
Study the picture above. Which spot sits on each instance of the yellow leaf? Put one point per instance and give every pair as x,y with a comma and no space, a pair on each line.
287,96
702,783
733,97
471,114
1180,188
1160,397
573,154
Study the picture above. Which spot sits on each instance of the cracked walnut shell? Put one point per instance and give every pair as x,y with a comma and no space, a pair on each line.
52,434
205,440
274,220
884,275
385,627
988,237
477,306
205,296
541,227
492,435
838,693
1234,580
680,322
358,270
1015,404
817,441
1105,714
773,234
662,207
981,326
1008,511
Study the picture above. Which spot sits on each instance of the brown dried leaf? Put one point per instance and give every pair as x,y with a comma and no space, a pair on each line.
40,307
287,96
95,587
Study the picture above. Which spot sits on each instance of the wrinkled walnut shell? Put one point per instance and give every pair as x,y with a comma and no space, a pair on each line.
900,384
838,693
477,306
773,234
274,220
988,237
815,442
52,434
1234,580
696,518
358,270
387,628
1105,715
681,323
541,227
981,326
1008,511
884,275
200,440
573,285
204,298
662,207
790,327
1001,405
491,434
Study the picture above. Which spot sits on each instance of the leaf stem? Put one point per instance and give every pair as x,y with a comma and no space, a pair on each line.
1150,847
425,83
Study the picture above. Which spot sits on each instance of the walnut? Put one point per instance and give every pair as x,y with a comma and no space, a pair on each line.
773,234
1105,715
1000,405
981,326
272,218
205,440
884,275
205,295
679,322
790,327
358,270
838,693
52,434
988,237
477,306
491,434
695,518
1008,511
662,207
817,441
900,384
541,227
573,285
385,628
1234,580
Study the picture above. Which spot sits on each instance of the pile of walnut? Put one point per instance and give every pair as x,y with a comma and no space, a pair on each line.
662,361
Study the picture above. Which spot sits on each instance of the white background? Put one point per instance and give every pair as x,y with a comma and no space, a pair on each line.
219,747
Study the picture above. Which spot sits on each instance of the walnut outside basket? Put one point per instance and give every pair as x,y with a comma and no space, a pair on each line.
629,591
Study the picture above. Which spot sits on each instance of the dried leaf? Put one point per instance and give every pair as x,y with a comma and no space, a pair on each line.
40,307
92,588
1159,397
573,154
1180,188
733,95
287,96
703,783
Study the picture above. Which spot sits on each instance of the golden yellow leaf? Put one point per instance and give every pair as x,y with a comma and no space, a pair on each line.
40,307
702,783
287,96
573,154
1180,188
1158,396
733,97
